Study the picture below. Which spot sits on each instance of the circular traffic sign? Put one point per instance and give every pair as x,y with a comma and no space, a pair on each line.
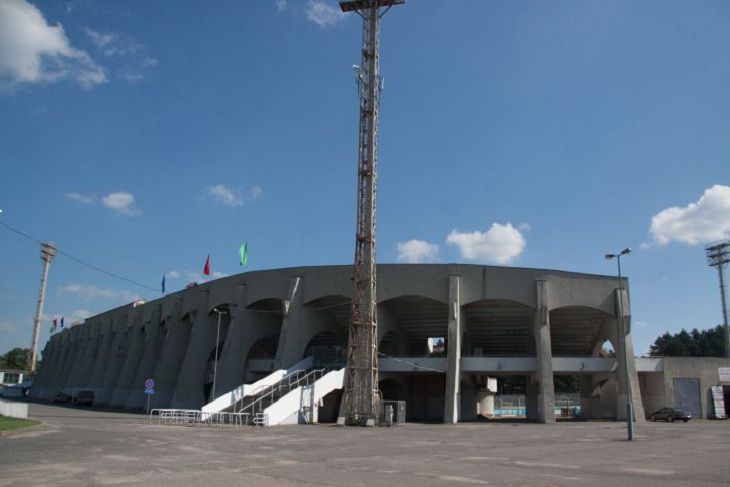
149,383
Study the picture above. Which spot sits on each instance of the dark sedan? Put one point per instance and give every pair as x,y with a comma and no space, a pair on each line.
671,415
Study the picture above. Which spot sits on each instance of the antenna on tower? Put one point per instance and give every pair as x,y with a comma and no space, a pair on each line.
361,399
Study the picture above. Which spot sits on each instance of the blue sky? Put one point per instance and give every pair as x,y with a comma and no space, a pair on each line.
143,136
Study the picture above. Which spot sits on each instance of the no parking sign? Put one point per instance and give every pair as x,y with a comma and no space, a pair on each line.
149,386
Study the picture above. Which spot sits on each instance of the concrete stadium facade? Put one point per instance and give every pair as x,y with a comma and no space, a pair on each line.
496,321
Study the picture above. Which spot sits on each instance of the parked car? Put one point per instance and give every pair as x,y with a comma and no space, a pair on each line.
62,398
85,398
670,415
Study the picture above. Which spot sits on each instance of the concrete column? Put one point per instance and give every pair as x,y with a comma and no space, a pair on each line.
50,370
48,358
453,351
291,304
590,407
117,353
544,377
91,349
626,349
137,399
189,389
58,376
103,357
230,368
125,380
171,355
79,336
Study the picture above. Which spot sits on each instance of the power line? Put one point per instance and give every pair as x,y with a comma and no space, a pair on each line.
117,276
79,261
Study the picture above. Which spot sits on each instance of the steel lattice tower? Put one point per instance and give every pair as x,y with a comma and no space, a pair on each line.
719,256
361,400
48,252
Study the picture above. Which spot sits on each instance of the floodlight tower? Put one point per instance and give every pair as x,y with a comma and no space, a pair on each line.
48,252
718,256
361,400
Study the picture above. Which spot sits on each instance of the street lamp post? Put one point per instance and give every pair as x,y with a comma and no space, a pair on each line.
217,341
621,342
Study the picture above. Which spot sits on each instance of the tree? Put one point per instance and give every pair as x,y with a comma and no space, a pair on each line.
16,359
705,343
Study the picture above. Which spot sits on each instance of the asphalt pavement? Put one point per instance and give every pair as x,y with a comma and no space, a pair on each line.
86,447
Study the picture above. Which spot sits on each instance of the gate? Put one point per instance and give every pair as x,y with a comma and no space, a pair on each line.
687,396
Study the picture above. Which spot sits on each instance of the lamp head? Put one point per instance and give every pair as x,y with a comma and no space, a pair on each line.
625,251
610,256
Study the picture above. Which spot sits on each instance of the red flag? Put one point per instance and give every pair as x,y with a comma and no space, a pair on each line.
206,269
55,323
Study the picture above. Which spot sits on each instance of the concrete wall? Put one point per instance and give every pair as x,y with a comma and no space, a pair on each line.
13,409
702,368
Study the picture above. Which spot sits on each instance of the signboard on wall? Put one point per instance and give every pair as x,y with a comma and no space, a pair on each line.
724,373
718,401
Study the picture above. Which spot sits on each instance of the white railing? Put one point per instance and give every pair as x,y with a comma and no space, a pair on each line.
194,417
301,404
232,397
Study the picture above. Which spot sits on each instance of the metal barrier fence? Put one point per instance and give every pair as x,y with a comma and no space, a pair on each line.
566,405
509,405
392,413
194,417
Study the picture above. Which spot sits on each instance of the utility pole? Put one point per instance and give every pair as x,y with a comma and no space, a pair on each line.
48,252
361,399
717,256
622,331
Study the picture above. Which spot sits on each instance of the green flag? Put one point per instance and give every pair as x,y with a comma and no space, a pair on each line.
243,251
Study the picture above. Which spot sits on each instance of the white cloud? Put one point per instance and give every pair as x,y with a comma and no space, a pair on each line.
99,39
173,274
500,244
92,292
131,61
121,202
225,195
324,14
80,314
218,275
416,251
85,199
704,221
280,5
32,51
233,197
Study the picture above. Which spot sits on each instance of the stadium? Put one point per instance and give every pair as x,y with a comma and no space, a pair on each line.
494,322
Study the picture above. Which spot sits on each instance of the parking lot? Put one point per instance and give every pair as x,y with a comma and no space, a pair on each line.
90,447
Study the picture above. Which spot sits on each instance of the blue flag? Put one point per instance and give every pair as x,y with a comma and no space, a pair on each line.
61,322
163,283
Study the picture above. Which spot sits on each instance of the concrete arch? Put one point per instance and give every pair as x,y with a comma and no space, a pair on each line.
498,327
326,348
577,330
390,344
416,318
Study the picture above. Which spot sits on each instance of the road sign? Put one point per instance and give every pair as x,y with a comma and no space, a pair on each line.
149,390
724,373
149,384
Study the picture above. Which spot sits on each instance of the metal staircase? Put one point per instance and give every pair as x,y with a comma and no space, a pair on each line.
255,405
